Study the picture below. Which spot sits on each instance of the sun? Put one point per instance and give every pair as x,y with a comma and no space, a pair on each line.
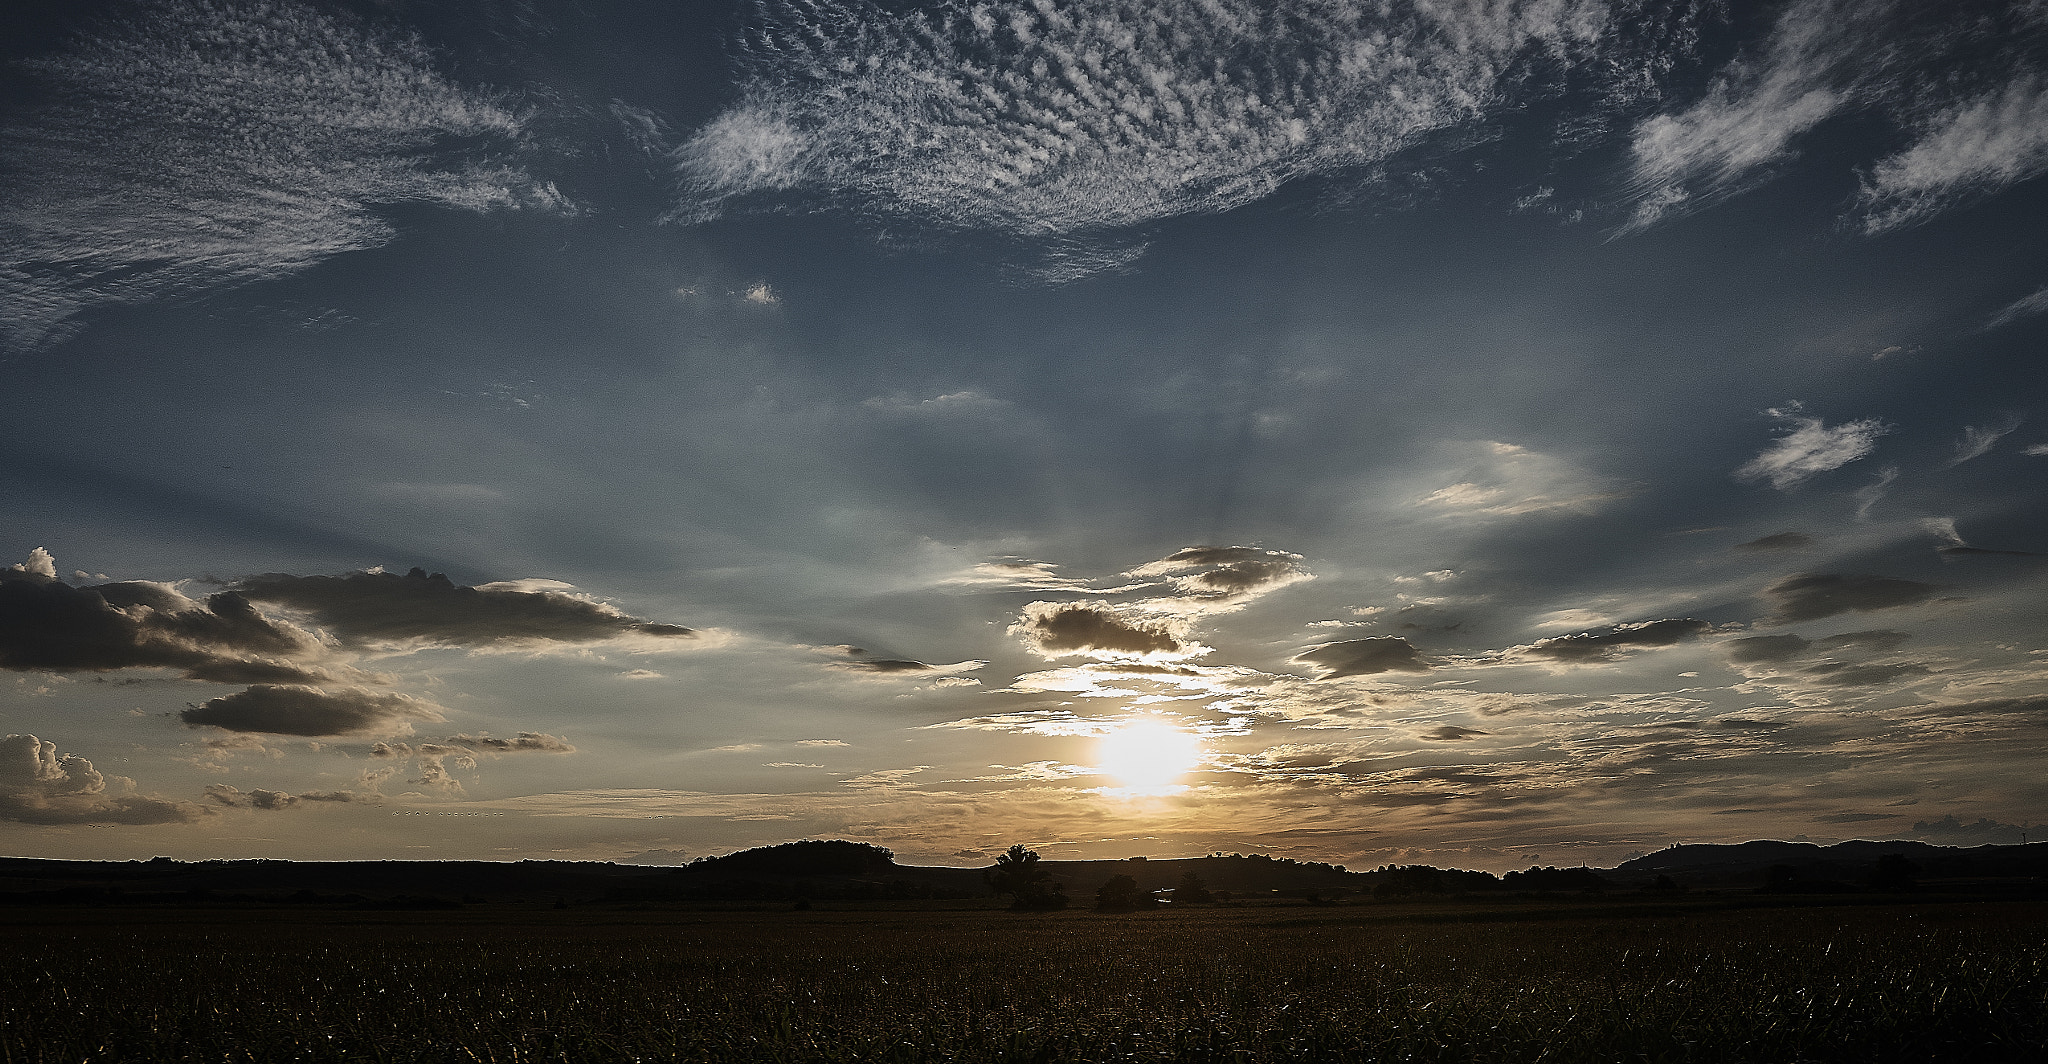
1148,756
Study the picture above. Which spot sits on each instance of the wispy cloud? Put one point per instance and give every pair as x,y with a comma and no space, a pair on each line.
1975,148
1809,448
2024,307
1751,113
208,144
1065,124
1978,440
1923,68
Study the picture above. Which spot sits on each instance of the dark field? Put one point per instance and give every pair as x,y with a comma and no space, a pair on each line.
1499,981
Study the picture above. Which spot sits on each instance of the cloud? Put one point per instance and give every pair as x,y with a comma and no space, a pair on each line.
1226,574
1810,597
1777,542
1841,674
284,709
822,742
525,742
1056,629
378,609
1954,832
960,404
1452,733
1920,67
1758,649
259,798
50,625
1977,440
1588,648
1363,657
1060,125
2023,307
1751,113
1972,149
1808,448
40,786
905,667
1023,574
1508,480
204,144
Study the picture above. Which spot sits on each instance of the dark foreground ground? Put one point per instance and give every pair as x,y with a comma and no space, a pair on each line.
1502,980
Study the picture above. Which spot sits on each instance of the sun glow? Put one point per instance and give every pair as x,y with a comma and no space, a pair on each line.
1148,756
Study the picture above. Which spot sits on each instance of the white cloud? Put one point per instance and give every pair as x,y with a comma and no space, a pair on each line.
1507,480
1978,440
1809,448
1977,147
215,143
2023,307
962,403
1061,124
1902,62
1751,114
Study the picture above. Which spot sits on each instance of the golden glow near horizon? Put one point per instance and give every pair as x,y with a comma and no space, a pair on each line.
1148,756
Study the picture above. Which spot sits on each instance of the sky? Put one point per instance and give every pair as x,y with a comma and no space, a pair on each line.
1470,432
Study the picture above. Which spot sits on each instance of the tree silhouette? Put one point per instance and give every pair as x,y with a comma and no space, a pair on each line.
1191,888
1018,874
1121,895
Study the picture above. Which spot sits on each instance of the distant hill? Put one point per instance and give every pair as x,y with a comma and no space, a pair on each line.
850,871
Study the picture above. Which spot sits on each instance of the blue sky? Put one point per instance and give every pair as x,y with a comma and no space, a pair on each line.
1483,432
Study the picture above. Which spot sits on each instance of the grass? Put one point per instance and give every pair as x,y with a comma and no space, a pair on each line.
1504,982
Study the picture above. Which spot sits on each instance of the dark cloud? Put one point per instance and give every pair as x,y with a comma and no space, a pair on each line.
1226,572
1879,639
1778,541
282,709
1056,628
40,786
1745,724
525,742
1810,597
1766,648
1954,832
659,857
1854,818
1964,551
48,624
1836,674
1452,733
375,608
1364,657
259,798
883,665
1596,647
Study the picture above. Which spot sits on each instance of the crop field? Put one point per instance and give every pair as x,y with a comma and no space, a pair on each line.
1503,982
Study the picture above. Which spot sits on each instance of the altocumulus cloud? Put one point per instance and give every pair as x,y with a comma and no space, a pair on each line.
202,144
1057,123
38,785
